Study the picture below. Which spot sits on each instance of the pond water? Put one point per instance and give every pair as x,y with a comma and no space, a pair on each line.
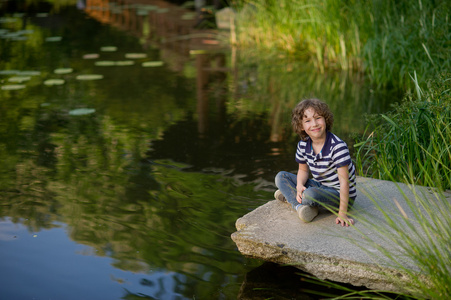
126,160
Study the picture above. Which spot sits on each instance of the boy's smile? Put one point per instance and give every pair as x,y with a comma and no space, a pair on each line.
314,125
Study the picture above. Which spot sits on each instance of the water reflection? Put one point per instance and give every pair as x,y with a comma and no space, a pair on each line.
149,183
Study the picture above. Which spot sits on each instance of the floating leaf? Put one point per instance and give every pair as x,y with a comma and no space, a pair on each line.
82,111
28,73
145,7
162,10
142,12
8,20
135,55
125,63
19,79
20,38
42,15
105,63
91,56
108,49
12,87
51,82
152,64
89,77
9,72
25,31
10,35
63,71
53,39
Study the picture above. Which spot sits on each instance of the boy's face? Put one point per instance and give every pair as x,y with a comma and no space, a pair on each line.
313,124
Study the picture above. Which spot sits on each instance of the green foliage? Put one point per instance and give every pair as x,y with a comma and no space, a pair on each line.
385,39
407,36
413,140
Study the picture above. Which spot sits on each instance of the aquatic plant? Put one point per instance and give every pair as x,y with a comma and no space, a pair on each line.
413,141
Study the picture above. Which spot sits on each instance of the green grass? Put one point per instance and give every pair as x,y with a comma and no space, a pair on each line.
421,237
412,142
385,39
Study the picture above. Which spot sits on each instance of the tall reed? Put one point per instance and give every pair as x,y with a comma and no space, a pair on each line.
385,39
414,140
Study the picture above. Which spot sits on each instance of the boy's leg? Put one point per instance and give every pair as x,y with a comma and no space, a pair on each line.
286,182
320,195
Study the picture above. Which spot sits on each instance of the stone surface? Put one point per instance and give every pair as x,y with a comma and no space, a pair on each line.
273,232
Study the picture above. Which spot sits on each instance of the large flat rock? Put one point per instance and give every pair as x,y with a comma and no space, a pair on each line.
273,232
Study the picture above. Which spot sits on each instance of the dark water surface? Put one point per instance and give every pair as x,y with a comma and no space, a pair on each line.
128,186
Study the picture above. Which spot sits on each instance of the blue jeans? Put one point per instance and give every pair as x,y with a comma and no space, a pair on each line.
316,194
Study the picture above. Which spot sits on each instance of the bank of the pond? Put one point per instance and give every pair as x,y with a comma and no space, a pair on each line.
370,254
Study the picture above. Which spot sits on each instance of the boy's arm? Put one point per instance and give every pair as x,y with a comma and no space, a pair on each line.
302,177
343,177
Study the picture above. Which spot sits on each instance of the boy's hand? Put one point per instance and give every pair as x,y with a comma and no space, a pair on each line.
299,192
344,220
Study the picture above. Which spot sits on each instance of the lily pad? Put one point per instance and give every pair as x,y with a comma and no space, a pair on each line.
8,20
82,111
13,87
135,55
105,63
142,12
162,10
89,77
53,39
19,79
108,49
28,73
63,71
20,38
125,63
50,82
10,35
91,56
25,31
9,72
152,64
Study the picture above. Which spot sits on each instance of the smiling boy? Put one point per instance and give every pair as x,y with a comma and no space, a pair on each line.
327,158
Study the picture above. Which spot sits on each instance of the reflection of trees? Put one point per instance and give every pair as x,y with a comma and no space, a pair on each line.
92,172
278,86
144,214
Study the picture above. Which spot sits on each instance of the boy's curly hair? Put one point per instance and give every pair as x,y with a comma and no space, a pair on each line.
320,108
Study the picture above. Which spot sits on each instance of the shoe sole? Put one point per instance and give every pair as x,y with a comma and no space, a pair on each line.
279,196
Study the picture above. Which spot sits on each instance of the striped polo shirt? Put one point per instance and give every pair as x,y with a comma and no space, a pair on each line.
323,166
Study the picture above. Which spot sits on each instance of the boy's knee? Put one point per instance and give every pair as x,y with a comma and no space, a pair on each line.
279,177
309,196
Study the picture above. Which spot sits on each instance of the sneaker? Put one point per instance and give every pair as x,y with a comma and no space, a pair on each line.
307,213
279,196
